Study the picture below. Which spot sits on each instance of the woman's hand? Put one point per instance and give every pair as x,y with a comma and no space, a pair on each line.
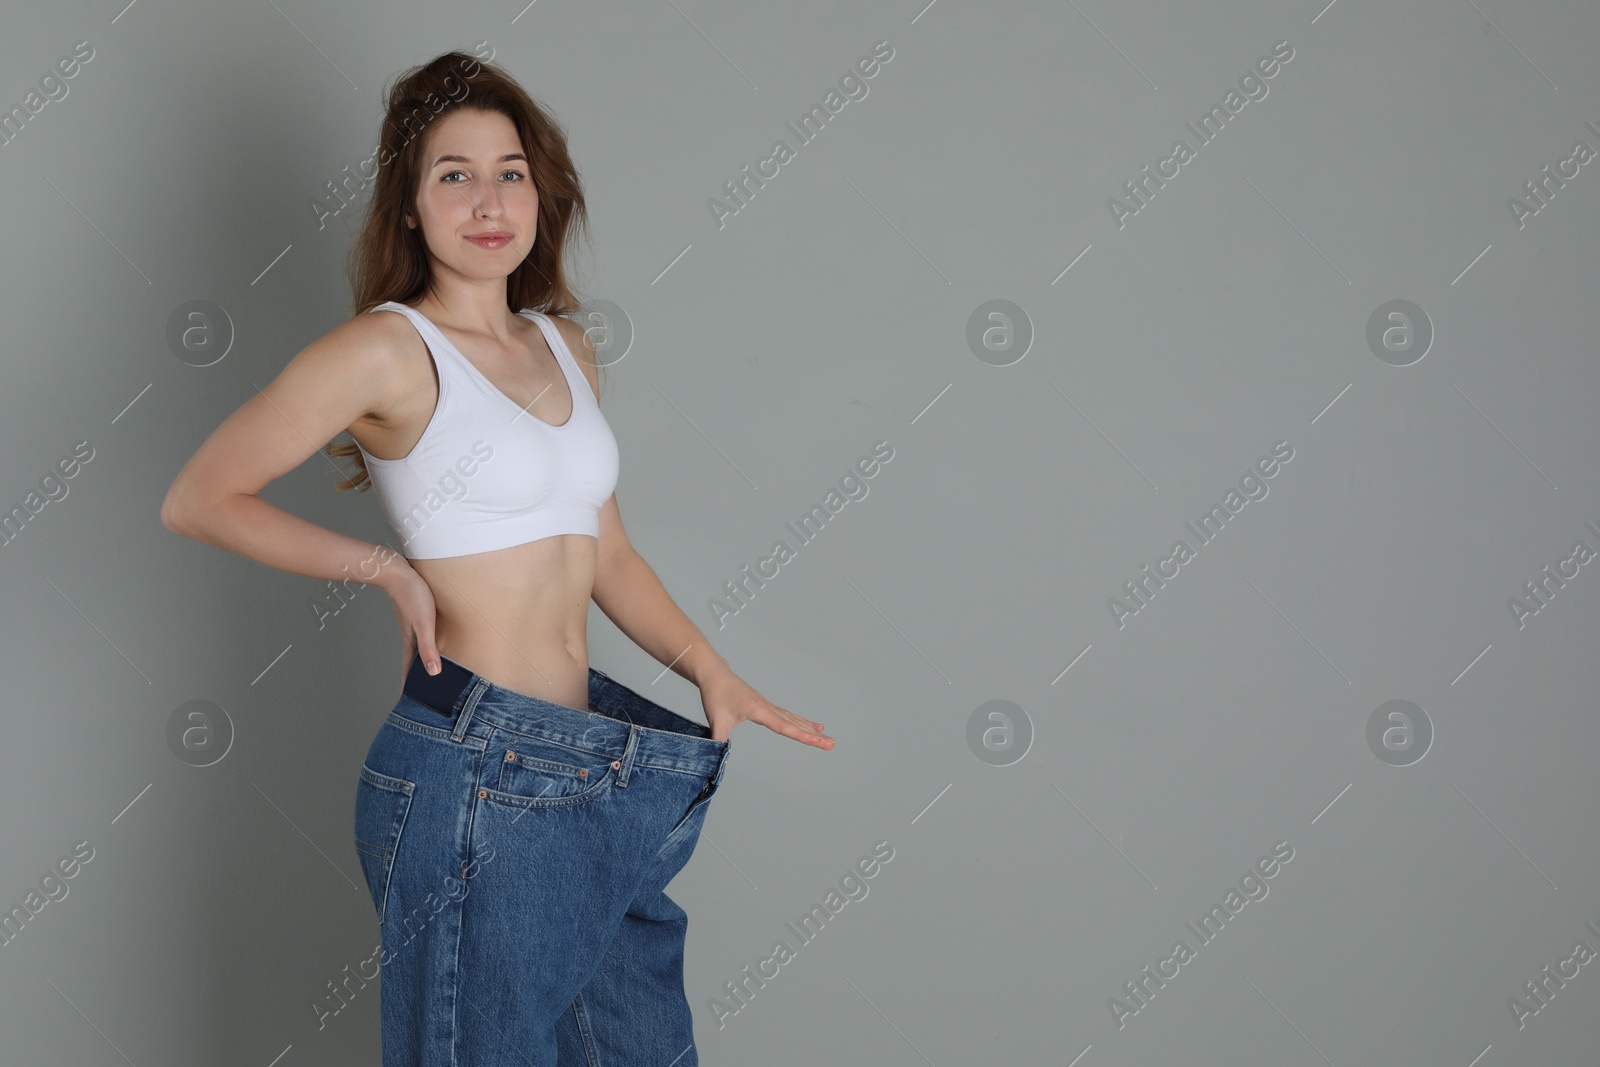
417,614
730,700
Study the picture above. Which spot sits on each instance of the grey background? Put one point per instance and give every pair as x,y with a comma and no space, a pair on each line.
833,311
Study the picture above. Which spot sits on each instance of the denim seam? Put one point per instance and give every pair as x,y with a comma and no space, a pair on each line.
388,867
404,723
384,781
681,768
468,706
518,736
585,1031
459,908
629,753
704,798
502,722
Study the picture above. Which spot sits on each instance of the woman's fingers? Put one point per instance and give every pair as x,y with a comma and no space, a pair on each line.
801,729
429,650
730,700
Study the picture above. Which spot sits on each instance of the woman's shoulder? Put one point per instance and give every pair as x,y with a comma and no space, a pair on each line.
370,336
582,349
382,350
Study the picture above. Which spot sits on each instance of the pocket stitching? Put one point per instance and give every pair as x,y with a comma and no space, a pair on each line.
516,800
525,760
383,781
404,790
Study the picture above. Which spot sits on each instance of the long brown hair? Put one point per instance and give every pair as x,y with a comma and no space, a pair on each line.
389,260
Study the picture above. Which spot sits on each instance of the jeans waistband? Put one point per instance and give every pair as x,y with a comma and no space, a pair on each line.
469,705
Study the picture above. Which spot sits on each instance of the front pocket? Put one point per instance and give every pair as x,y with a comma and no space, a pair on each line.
382,804
538,773
692,819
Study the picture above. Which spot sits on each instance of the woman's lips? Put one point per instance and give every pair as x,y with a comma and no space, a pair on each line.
491,240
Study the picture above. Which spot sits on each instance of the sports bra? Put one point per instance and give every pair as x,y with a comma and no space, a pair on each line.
485,474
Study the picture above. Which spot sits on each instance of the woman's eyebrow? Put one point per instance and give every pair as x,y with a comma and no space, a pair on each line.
463,159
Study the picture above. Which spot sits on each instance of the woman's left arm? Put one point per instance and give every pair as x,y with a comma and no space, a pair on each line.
627,589
633,598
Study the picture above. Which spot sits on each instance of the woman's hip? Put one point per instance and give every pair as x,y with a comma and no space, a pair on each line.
462,770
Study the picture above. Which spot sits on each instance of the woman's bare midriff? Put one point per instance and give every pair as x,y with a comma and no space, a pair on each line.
517,616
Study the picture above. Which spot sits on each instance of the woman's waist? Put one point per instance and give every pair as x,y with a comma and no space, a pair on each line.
465,705
537,662
531,606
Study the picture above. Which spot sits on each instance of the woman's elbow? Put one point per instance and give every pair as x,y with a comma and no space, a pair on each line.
169,519
173,517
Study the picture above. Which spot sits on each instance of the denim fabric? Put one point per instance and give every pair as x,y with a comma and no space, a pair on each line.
517,852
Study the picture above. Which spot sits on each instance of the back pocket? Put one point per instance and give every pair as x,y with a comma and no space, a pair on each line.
382,804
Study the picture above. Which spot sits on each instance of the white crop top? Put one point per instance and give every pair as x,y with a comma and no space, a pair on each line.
486,474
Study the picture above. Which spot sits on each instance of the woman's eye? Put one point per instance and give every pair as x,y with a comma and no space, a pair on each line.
513,174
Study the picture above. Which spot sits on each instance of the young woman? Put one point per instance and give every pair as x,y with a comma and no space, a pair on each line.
518,814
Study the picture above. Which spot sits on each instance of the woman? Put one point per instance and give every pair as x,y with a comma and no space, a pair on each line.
518,814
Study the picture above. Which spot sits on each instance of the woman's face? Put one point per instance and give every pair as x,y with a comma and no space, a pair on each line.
475,183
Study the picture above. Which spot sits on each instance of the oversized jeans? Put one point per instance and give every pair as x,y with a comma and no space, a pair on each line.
517,852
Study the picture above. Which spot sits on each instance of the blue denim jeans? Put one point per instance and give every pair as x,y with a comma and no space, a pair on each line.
518,852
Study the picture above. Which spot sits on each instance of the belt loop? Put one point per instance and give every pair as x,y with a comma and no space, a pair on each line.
627,755
467,706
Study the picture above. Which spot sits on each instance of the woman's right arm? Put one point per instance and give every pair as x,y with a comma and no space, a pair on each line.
342,376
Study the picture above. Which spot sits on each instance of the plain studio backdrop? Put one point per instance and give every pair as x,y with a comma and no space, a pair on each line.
1237,369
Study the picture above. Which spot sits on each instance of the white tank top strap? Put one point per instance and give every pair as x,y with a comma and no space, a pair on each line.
582,391
438,346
